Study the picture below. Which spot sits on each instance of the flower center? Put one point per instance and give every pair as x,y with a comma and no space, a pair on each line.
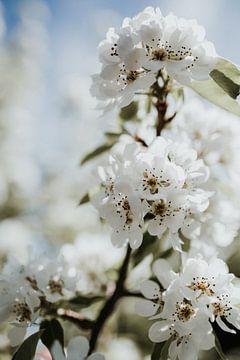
159,55
184,311
222,308
132,76
160,208
22,311
203,285
56,286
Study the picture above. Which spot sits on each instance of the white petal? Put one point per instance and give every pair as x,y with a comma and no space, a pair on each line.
146,307
173,350
163,272
57,352
234,318
150,289
16,335
79,345
223,326
159,331
96,356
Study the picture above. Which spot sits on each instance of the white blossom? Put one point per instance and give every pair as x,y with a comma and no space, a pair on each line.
159,184
24,286
133,55
18,305
202,291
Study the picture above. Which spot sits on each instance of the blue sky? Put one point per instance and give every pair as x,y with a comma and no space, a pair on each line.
220,17
74,28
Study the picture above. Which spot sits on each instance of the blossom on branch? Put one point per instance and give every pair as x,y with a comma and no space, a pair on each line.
156,187
133,55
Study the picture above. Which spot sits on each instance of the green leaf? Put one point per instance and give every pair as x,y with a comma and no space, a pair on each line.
156,354
219,349
53,331
98,151
229,86
186,242
28,348
150,245
160,350
164,352
129,112
223,87
85,199
112,135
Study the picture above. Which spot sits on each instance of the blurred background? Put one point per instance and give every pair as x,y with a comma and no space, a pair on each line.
48,119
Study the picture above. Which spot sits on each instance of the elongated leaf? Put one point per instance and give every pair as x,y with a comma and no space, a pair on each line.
85,199
164,352
52,331
98,151
112,135
156,354
229,86
160,350
219,349
150,245
28,348
129,112
223,87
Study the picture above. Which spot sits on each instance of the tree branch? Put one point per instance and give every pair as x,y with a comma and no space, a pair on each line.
109,305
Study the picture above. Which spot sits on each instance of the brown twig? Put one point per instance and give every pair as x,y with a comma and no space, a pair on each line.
109,305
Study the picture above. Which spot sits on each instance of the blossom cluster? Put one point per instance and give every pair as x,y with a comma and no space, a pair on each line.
158,187
24,288
133,55
215,136
202,293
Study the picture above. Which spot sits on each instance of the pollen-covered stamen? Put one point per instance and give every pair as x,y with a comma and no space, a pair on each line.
127,77
22,312
159,55
108,187
55,286
114,50
162,51
152,182
162,209
184,311
203,284
222,307
180,339
124,211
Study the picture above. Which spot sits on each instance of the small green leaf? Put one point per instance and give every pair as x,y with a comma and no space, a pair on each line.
160,350
219,349
28,348
156,354
150,245
229,86
186,242
53,331
223,87
112,135
85,199
130,111
98,151
164,352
